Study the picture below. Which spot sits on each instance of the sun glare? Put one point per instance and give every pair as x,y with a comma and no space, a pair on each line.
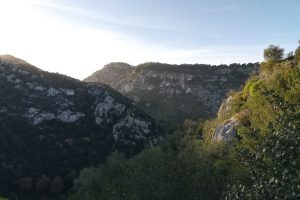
30,34
47,35
58,46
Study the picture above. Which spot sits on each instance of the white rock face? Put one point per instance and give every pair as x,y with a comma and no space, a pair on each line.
103,108
37,116
40,88
47,116
169,84
68,92
33,111
52,92
139,128
127,88
68,117
205,86
226,132
37,119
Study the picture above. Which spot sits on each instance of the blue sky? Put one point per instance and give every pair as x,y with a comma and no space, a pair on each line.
77,37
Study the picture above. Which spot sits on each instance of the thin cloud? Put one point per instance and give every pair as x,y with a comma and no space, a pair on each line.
108,19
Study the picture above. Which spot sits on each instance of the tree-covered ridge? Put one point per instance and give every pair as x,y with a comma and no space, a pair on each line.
262,162
190,67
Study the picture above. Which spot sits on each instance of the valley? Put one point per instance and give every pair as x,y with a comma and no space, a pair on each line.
152,131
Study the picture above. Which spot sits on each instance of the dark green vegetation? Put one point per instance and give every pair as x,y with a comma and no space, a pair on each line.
263,163
184,167
273,53
269,148
52,126
173,93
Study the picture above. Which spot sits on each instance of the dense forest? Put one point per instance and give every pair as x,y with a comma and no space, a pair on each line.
261,162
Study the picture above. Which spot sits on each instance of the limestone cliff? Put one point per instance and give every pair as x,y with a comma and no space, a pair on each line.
173,93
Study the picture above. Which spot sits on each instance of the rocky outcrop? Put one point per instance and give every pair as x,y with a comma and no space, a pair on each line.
176,92
110,73
226,132
52,125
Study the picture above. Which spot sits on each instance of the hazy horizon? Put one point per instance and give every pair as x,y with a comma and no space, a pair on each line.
77,38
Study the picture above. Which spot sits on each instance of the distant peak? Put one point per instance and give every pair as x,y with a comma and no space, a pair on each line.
118,65
13,61
10,58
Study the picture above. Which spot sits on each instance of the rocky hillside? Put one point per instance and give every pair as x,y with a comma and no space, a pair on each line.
51,126
111,73
261,123
173,93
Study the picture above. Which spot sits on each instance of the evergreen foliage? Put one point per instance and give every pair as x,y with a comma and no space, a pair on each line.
183,168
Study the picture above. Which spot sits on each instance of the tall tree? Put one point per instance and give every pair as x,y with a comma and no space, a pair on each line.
273,53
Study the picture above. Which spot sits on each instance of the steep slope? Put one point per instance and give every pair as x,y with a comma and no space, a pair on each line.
111,73
263,123
173,93
51,126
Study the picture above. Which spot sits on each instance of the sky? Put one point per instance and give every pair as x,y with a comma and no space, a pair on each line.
78,37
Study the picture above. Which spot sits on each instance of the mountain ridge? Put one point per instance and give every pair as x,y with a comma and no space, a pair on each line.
53,125
191,91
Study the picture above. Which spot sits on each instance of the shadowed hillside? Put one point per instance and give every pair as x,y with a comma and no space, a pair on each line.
51,126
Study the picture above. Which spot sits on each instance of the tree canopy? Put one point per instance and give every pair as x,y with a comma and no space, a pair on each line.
273,53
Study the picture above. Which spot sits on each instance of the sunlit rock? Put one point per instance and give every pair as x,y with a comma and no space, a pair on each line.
52,92
226,132
68,116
